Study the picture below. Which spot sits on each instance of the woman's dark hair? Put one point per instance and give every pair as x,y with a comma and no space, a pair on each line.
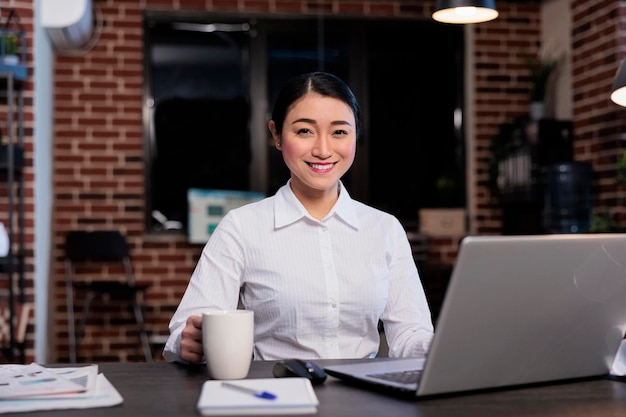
322,83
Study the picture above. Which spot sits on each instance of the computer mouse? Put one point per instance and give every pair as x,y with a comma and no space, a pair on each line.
300,368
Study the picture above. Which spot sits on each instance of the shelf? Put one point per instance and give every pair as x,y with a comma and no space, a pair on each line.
12,163
13,48
20,72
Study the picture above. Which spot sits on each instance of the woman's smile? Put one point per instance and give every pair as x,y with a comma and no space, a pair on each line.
321,168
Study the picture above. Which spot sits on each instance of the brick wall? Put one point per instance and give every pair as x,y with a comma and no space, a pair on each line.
501,90
98,153
598,46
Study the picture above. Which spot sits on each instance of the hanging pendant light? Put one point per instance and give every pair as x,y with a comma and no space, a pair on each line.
618,92
465,11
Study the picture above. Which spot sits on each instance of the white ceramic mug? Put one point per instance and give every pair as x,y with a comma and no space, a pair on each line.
227,340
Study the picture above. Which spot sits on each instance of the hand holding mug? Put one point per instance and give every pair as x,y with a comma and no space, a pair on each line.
191,340
228,339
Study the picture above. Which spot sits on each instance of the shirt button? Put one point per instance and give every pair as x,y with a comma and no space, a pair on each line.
334,305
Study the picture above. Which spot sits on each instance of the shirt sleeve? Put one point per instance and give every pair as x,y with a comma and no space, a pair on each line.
406,318
214,284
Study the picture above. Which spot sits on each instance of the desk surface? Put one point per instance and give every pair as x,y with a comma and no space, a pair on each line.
163,389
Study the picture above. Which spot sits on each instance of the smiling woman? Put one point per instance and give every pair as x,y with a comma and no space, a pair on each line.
317,139
309,260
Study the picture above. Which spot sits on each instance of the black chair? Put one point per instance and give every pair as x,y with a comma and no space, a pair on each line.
101,247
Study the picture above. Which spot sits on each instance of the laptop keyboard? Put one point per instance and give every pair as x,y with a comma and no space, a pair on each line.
410,376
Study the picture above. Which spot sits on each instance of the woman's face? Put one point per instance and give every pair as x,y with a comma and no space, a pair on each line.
318,142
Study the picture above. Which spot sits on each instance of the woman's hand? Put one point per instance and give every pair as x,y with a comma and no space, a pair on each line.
191,340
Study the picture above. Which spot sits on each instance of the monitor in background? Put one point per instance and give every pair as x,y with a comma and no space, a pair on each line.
208,207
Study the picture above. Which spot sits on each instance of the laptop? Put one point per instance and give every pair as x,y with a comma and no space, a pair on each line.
518,310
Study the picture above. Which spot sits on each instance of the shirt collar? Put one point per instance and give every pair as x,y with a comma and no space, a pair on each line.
288,209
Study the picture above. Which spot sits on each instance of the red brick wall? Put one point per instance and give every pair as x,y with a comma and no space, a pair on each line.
98,153
501,90
599,45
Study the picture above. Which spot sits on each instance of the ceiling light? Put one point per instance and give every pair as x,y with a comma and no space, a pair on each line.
618,92
465,11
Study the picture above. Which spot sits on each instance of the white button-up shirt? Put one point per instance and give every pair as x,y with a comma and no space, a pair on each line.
317,288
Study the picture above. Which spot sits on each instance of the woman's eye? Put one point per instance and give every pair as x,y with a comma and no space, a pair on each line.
340,133
303,131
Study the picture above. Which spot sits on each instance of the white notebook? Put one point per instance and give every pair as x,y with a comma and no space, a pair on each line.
292,396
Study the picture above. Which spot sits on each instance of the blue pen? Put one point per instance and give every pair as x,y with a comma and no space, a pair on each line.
259,394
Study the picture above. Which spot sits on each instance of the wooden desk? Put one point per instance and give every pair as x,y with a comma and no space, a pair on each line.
162,389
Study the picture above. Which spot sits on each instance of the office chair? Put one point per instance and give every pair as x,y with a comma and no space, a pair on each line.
100,247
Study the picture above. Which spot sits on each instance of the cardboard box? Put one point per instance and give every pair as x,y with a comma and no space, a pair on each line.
442,222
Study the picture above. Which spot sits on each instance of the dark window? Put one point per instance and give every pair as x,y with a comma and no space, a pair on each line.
198,102
415,88
209,93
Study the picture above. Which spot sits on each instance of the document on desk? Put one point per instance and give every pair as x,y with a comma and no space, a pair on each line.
17,381
94,390
265,396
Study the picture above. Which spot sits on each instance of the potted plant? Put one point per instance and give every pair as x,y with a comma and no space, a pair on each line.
502,145
9,47
540,70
